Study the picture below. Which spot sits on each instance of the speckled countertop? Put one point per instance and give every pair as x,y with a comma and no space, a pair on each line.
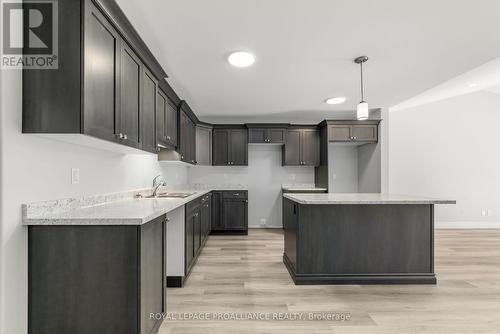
301,187
361,198
112,209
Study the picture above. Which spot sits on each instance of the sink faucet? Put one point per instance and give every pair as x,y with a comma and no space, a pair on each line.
158,181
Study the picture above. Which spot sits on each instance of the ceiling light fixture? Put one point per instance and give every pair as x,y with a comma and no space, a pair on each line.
335,100
362,109
472,85
241,59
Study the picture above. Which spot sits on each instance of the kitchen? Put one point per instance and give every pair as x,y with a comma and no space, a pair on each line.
163,194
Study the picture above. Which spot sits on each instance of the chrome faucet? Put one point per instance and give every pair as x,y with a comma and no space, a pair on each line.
158,181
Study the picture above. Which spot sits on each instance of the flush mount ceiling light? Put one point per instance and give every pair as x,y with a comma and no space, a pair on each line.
473,85
241,59
335,100
362,110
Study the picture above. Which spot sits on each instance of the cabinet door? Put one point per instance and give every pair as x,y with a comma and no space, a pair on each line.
171,123
234,214
192,142
189,242
130,78
161,118
365,133
220,147
101,60
276,136
291,149
203,146
208,222
184,136
152,272
148,133
197,231
238,147
310,147
205,218
216,221
339,133
257,136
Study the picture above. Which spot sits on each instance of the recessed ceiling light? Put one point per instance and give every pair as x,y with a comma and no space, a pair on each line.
241,59
335,100
472,85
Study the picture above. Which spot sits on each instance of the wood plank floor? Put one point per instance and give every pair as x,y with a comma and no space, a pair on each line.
244,274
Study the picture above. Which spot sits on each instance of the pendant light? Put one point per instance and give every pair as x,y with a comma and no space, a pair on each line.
362,110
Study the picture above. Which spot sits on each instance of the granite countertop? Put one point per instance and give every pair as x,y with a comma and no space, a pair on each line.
362,198
301,187
111,209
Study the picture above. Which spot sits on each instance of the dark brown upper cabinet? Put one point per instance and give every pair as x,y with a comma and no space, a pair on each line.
204,144
129,97
266,133
301,147
359,132
100,88
187,127
148,129
166,121
230,146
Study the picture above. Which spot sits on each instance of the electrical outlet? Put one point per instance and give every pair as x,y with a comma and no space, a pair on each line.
75,175
489,212
483,212
263,222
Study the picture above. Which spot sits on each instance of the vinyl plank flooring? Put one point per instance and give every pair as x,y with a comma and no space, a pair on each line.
245,274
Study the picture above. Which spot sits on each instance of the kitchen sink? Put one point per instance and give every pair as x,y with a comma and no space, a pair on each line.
174,195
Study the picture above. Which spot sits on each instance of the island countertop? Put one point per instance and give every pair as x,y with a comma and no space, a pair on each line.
362,198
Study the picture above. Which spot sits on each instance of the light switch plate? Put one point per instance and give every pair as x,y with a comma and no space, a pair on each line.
75,175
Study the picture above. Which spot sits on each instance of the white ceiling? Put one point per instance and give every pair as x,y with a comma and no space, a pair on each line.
305,48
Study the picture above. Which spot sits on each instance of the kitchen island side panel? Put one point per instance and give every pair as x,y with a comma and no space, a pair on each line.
365,239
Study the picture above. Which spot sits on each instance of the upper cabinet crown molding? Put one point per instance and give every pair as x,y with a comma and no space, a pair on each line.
116,16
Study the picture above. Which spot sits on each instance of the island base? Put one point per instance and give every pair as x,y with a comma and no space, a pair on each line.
358,279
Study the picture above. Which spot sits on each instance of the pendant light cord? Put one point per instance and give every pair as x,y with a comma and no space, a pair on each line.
362,85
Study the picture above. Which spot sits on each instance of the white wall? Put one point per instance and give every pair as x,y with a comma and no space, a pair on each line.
36,169
449,149
264,176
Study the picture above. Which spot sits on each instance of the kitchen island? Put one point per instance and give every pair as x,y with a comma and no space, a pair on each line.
359,238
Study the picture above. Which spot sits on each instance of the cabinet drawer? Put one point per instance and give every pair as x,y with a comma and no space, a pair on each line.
235,194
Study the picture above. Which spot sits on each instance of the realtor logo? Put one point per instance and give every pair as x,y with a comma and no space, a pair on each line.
29,34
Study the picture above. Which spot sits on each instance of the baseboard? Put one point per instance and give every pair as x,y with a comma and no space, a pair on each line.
466,225
261,227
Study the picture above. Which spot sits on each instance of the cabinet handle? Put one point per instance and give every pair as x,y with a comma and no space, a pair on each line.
125,136
167,220
120,135
246,201
168,137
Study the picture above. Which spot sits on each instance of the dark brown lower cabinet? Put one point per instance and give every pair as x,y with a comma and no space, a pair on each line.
230,212
96,279
198,218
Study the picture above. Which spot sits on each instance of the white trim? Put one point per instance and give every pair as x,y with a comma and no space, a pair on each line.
468,224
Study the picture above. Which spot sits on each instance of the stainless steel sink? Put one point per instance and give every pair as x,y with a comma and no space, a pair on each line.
175,195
